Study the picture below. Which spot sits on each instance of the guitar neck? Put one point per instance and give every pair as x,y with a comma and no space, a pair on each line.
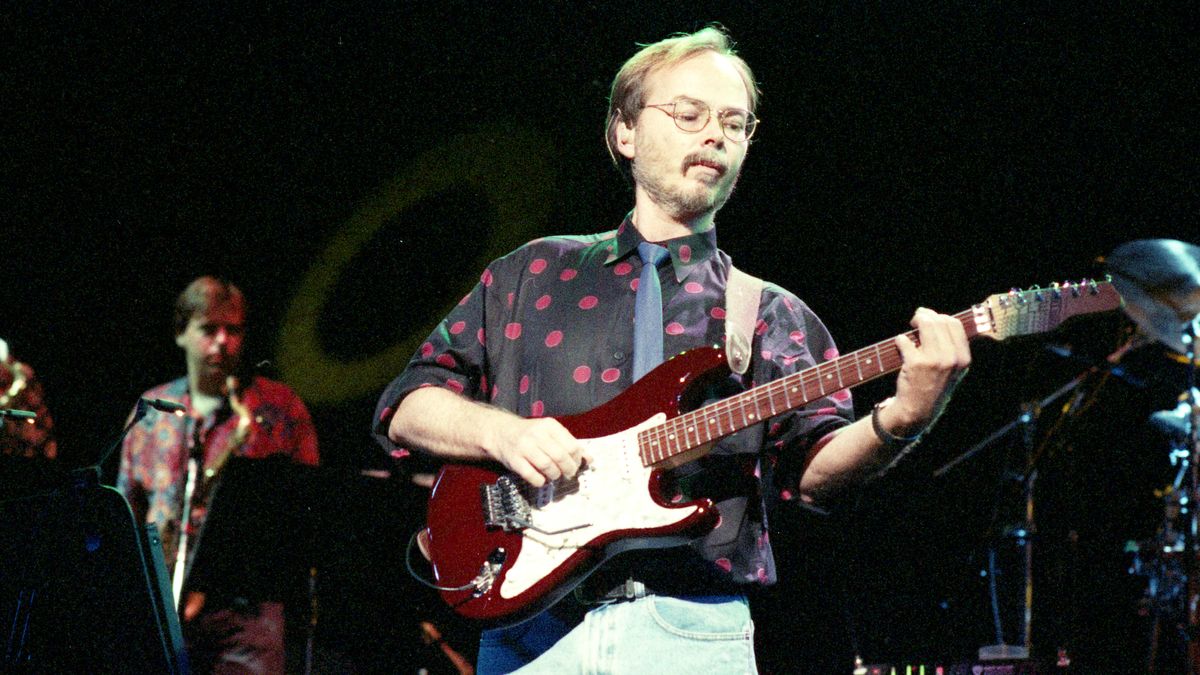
1001,316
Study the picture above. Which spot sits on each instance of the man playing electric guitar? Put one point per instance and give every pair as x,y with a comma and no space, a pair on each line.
559,327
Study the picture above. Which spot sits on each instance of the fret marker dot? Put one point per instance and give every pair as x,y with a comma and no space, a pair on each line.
751,415
672,436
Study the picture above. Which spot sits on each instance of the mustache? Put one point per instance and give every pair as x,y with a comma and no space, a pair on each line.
708,159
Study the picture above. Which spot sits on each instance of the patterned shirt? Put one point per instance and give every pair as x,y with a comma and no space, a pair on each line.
20,389
548,331
154,456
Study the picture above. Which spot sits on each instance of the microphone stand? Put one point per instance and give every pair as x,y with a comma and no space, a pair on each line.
1191,563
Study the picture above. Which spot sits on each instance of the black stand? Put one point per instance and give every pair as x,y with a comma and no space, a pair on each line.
82,587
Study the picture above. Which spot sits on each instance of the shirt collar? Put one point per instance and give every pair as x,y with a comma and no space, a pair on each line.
686,251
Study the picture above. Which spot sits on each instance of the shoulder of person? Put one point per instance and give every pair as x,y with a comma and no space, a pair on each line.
554,246
175,390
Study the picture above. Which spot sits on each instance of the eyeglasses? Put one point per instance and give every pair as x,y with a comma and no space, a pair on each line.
691,116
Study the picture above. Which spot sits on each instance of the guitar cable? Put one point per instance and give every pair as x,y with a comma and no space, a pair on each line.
413,572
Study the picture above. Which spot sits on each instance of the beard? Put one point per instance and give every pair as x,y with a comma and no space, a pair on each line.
682,202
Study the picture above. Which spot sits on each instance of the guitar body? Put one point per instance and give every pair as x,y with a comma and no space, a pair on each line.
615,504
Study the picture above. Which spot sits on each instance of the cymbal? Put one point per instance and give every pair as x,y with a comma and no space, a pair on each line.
1175,423
1160,282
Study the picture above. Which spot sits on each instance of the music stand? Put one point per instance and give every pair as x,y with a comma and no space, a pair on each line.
82,587
256,542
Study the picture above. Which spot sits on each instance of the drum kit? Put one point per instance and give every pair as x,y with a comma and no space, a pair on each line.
1159,280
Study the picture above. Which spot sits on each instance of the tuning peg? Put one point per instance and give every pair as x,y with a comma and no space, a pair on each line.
1037,292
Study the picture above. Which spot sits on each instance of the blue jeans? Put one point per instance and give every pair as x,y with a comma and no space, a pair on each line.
663,634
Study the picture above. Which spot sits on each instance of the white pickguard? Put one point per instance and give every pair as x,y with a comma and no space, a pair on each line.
612,495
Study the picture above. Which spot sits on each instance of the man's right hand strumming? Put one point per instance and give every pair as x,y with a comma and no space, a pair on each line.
452,427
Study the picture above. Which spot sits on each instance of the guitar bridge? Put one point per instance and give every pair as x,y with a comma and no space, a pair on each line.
503,504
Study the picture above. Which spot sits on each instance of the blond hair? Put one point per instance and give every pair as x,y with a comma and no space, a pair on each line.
627,97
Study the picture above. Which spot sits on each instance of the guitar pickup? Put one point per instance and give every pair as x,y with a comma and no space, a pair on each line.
504,505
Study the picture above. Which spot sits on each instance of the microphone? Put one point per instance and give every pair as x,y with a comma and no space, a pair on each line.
162,405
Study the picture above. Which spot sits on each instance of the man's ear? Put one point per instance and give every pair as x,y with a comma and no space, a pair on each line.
179,339
625,138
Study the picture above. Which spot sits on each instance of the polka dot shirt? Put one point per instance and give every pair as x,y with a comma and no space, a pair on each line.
548,331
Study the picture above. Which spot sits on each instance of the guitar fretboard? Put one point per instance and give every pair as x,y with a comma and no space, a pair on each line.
1015,313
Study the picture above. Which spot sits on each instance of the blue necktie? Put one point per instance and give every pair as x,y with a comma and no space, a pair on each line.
647,316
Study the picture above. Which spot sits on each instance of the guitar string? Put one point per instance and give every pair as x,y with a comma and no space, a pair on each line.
1030,316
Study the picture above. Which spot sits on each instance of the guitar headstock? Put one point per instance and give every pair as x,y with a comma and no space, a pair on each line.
1036,309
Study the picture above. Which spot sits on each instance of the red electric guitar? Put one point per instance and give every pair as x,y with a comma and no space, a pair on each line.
503,550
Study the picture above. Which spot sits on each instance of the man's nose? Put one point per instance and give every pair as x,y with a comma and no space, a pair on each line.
712,131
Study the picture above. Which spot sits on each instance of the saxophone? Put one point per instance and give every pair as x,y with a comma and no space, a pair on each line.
199,487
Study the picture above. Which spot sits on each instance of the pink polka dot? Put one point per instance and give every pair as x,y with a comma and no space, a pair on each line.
693,287
787,302
455,385
622,268
426,350
766,354
677,497
634,284
789,360
610,375
831,353
486,278
458,327
775,429
840,396
537,409
760,327
495,391
588,302
582,374
480,336
387,413
724,564
512,331
509,299
542,302
717,312
827,411
446,360
674,328
567,274
685,253
553,338
537,266
464,300
797,336
483,382
762,575
785,495
523,387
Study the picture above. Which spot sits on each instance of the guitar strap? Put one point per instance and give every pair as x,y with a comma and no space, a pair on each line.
743,293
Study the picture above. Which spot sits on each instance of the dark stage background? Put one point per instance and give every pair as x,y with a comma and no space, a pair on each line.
354,165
